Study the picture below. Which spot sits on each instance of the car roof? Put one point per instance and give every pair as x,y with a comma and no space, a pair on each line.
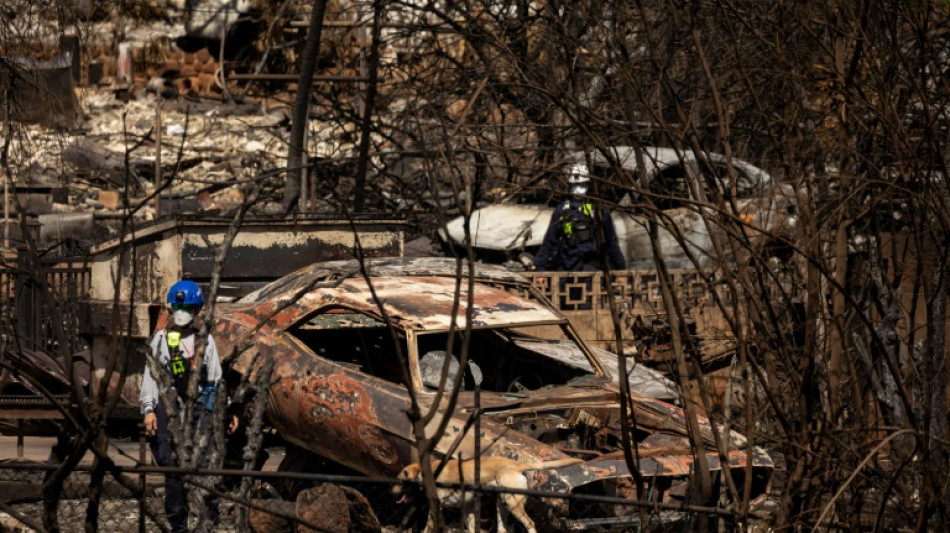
417,293
654,157
657,158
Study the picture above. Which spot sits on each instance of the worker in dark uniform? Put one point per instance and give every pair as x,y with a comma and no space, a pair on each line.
570,243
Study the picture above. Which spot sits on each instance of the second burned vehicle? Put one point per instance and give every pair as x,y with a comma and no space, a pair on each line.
342,361
693,199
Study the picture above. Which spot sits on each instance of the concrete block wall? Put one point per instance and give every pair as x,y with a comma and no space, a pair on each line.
195,70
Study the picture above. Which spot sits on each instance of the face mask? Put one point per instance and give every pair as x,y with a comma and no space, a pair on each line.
182,318
579,190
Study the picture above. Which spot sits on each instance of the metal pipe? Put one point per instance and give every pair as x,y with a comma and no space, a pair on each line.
142,479
477,508
359,23
304,202
19,439
6,211
158,154
294,77
576,451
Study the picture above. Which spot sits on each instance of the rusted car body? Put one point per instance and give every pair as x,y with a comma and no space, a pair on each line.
503,231
340,339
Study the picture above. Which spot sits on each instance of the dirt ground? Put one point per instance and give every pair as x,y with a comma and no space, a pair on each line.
119,512
124,453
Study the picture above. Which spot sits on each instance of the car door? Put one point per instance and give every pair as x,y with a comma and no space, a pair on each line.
349,404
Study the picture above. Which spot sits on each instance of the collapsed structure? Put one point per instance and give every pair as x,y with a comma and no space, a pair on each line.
132,164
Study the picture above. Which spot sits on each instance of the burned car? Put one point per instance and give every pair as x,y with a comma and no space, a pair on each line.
341,338
503,232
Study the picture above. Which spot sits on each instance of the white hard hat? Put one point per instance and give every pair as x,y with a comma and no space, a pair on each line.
579,175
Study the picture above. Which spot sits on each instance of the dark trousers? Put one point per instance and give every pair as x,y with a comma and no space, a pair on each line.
176,506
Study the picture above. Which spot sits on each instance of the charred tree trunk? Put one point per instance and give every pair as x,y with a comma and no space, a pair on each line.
369,105
301,113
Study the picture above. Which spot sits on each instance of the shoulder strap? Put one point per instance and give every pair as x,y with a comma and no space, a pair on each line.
162,341
194,344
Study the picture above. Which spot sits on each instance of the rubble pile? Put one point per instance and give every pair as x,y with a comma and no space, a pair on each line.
169,125
158,135
208,154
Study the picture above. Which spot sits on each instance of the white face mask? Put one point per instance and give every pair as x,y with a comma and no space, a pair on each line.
579,190
182,318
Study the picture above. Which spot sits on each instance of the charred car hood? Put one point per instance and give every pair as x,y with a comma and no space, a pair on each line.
584,421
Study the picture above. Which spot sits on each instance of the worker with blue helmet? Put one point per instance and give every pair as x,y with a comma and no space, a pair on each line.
185,299
172,352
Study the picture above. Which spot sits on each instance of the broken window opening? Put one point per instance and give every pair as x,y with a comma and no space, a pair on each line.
357,341
716,175
671,188
506,362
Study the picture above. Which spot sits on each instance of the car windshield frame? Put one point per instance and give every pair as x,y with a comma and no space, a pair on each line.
598,368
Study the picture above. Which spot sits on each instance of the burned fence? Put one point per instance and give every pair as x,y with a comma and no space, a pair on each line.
36,321
584,298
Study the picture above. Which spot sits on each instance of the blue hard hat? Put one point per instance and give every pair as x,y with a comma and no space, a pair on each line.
186,292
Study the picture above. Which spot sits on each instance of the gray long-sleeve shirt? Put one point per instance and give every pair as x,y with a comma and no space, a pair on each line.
149,394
